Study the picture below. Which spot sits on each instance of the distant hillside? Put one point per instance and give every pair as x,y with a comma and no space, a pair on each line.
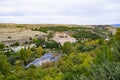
12,25
116,25
31,26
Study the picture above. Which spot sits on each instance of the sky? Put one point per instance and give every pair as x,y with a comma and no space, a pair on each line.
60,11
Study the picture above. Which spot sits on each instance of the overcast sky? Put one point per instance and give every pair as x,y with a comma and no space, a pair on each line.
60,11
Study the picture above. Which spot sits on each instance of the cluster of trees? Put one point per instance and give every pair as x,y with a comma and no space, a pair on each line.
47,44
90,60
58,28
77,32
86,35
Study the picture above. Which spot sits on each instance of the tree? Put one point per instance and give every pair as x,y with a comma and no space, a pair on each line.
52,45
21,27
39,51
22,54
67,48
2,45
4,65
117,35
38,42
25,55
50,35
28,52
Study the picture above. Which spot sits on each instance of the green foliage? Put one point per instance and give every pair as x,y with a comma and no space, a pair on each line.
15,44
39,42
86,35
60,28
67,48
117,35
39,51
51,45
21,27
25,54
12,59
4,65
50,35
115,47
88,46
104,55
107,71
88,60
2,45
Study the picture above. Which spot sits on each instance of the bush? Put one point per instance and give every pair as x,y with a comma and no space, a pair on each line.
15,44
9,37
52,45
86,48
2,45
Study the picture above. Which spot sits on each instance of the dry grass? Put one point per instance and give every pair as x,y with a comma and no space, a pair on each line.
15,34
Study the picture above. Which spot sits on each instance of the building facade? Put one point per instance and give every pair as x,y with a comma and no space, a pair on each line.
62,38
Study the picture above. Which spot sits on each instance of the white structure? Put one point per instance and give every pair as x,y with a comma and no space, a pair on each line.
107,38
62,38
18,48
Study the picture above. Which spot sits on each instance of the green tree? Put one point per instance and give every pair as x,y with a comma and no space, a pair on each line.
39,51
4,65
67,48
25,55
21,27
28,52
52,45
50,35
117,35
2,45
22,54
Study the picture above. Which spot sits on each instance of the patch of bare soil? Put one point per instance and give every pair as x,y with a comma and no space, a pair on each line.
9,34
